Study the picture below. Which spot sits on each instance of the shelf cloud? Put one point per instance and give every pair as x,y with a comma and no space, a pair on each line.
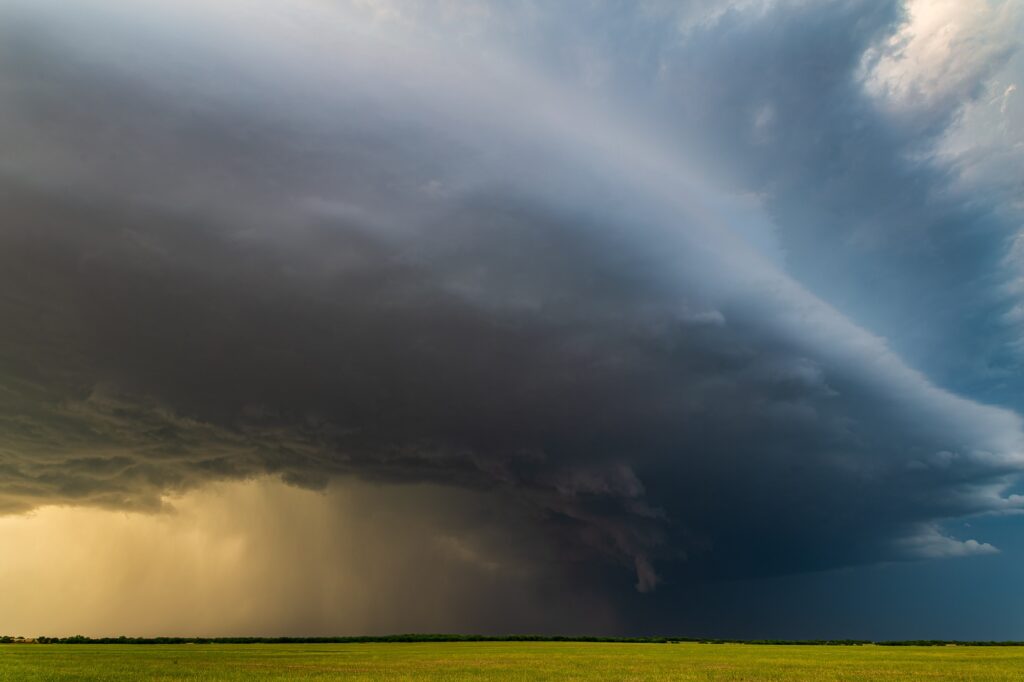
691,292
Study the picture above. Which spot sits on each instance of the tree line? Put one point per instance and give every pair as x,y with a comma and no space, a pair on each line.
423,637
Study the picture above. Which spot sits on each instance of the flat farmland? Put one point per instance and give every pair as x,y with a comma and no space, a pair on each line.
506,661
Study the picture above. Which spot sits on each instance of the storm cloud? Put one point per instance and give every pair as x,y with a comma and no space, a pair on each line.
693,293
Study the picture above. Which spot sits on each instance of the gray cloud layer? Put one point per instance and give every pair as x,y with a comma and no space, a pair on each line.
344,242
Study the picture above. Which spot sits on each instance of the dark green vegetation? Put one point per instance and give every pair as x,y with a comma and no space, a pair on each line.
506,660
441,637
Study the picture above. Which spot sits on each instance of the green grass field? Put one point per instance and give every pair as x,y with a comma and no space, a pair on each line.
505,661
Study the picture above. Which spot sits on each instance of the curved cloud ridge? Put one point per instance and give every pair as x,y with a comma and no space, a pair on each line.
495,248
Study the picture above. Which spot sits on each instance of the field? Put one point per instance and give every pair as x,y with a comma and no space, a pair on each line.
505,661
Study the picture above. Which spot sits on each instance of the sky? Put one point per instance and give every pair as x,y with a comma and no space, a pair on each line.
338,317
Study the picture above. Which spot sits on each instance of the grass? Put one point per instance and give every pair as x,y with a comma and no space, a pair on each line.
505,661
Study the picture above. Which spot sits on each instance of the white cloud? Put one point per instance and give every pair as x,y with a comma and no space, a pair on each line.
930,543
943,52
